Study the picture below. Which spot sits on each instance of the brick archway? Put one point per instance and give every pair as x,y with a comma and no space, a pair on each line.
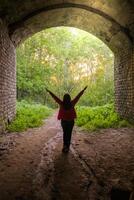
111,22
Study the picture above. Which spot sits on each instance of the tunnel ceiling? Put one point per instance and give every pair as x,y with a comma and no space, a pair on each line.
110,20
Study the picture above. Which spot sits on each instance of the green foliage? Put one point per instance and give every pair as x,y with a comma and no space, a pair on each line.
93,118
65,60
28,116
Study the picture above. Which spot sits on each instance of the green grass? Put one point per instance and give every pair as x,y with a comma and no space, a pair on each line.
93,118
29,116
89,118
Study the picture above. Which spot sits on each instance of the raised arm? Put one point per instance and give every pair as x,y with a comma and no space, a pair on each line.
76,99
54,97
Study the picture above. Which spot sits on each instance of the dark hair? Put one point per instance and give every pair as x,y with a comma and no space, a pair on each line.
67,102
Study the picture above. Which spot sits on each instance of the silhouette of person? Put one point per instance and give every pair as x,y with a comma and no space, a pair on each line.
67,114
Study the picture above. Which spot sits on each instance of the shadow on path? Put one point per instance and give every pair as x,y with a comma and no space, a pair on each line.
69,181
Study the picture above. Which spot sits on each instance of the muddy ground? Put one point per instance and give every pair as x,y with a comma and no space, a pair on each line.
33,167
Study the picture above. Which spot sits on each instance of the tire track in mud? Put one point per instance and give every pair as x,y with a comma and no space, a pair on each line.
92,185
44,176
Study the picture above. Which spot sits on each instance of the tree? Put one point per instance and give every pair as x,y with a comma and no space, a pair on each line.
65,60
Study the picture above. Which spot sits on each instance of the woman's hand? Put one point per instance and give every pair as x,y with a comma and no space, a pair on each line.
85,88
47,90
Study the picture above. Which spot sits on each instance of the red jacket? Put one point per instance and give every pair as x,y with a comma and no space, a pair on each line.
67,114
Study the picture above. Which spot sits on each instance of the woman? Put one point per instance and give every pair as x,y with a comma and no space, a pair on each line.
67,114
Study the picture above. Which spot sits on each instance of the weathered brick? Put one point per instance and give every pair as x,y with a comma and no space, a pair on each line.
124,82
7,77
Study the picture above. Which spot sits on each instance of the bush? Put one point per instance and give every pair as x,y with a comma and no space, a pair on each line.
93,118
28,116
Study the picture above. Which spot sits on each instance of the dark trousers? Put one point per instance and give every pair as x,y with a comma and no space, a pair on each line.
67,127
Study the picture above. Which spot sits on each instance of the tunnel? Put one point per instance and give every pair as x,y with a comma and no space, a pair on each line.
111,21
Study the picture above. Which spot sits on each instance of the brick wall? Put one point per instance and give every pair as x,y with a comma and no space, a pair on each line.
124,82
7,77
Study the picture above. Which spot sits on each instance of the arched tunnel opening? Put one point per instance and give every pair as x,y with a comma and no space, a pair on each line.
69,59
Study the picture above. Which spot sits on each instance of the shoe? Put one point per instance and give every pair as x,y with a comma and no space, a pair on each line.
65,149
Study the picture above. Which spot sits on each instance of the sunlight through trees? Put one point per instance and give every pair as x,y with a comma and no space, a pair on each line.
65,59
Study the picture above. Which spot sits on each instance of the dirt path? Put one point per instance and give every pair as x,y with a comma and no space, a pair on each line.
32,166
